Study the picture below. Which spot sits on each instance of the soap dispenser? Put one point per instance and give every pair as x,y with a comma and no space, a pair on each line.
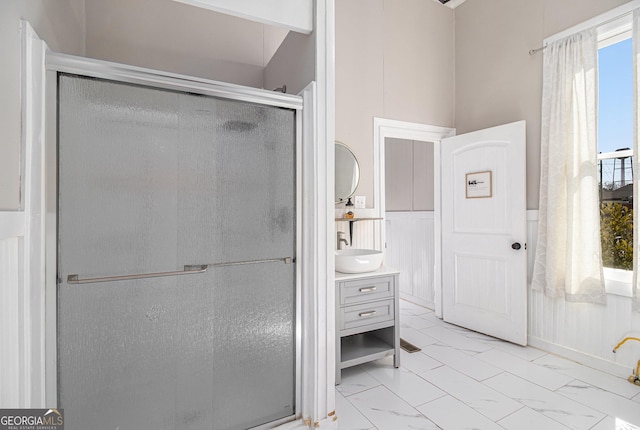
348,208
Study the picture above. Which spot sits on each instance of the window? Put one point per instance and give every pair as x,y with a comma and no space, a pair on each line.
571,231
615,140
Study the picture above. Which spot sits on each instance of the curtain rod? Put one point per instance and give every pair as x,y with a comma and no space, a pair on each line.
535,51
598,21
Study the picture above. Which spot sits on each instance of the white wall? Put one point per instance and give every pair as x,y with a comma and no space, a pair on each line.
61,23
394,59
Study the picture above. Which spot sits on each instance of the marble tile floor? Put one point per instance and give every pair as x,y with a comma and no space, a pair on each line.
466,380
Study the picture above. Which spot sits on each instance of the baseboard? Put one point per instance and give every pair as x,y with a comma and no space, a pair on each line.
580,357
416,301
329,423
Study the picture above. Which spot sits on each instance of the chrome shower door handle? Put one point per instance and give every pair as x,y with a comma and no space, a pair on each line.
188,270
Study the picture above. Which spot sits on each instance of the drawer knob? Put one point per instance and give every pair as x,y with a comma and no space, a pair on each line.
367,314
367,289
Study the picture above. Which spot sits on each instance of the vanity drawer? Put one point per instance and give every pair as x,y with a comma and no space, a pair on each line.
367,313
361,290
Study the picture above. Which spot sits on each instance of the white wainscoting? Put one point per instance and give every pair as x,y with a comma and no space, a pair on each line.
22,250
365,233
582,332
11,243
411,249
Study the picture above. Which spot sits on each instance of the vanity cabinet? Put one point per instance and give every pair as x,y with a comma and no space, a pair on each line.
367,318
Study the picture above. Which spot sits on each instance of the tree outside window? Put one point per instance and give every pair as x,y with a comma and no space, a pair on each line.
615,138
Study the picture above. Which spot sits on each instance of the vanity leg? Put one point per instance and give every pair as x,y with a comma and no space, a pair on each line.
338,360
396,327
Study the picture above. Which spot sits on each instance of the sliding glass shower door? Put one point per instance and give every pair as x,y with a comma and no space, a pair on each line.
176,259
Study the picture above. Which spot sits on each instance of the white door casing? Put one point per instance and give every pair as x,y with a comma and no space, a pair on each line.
383,128
484,274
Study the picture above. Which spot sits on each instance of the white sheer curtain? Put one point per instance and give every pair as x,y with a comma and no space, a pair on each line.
636,163
568,257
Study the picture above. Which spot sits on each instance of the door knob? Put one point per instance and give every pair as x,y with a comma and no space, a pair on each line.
516,246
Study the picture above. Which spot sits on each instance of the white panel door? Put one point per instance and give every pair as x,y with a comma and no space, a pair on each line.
484,258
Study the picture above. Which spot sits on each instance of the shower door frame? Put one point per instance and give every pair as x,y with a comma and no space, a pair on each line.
56,63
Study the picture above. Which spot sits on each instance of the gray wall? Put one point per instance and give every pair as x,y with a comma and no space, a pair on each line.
394,59
293,64
159,34
497,81
408,175
388,65
61,24
171,36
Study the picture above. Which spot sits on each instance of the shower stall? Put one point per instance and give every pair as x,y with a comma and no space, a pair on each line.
177,290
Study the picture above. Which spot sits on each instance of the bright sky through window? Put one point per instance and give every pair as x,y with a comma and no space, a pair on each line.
615,131
615,97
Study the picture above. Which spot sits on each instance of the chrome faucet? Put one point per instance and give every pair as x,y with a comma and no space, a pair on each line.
342,239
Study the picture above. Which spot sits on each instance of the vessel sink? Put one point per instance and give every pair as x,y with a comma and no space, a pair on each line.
358,260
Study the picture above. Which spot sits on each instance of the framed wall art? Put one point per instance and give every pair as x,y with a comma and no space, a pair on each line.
478,185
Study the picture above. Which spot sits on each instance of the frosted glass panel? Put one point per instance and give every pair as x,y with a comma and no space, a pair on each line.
149,181
235,181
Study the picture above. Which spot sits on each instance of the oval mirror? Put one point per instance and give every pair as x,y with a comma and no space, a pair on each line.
347,173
